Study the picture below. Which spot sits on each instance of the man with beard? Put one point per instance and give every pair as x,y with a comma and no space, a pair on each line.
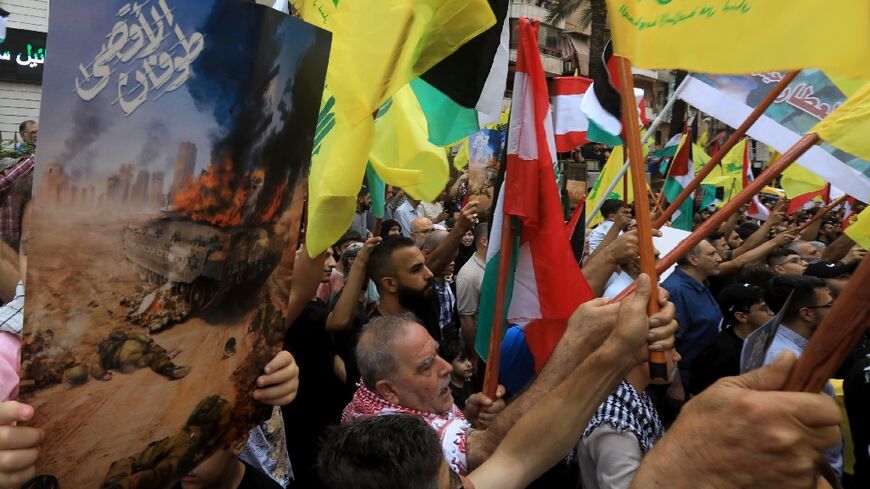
398,269
361,218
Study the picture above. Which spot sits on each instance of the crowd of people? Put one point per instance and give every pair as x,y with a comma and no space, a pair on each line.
380,385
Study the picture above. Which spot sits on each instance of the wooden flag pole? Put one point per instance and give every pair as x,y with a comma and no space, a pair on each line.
733,205
824,211
490,378
658,361
732,141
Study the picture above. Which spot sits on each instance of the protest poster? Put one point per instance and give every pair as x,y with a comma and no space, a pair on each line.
173,155
482,152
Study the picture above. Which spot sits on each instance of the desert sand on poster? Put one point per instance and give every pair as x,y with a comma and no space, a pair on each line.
174,145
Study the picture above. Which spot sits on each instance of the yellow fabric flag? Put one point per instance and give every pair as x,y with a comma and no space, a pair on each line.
402,154
848,126
338,163
379,46
860,229
797,180
729,173
700,158
759,35
608,175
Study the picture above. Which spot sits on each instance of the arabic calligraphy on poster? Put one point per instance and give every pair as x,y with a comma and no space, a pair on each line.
673,13
150,54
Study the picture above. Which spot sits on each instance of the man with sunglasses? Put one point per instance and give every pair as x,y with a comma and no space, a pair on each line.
810,302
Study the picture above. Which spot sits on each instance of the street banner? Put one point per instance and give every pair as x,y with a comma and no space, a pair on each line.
811,97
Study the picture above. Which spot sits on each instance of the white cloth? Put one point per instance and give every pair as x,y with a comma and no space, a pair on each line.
617,283
608,458
596,236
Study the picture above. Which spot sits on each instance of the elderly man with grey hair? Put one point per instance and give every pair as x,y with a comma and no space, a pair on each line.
808,252
403,374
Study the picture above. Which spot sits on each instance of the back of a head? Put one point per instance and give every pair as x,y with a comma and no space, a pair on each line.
611,206
804,289
747,229
758,274
481,231
380,262
434,239
382,452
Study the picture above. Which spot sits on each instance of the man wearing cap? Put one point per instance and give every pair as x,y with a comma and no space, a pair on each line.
835,274
743,311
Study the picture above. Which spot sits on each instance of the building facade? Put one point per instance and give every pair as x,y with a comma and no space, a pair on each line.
20,83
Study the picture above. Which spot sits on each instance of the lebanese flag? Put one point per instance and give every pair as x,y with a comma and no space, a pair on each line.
546,285
756,208
570,122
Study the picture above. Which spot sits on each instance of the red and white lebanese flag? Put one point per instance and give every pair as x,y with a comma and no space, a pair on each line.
547,284
756,208
570,122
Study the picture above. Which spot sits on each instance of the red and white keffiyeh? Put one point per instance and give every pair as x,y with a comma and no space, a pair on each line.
452,427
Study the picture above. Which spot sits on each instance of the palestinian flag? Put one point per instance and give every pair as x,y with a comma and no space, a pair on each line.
601,104
680,174
545,284
570,123
464,92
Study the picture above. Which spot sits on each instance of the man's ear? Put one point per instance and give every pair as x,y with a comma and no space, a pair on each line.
387,390
741,316
390,284
485,241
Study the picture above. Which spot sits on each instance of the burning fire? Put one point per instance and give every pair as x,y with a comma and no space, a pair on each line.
219,197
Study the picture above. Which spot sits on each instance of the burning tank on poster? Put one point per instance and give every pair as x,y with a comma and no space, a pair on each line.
201,262
204,255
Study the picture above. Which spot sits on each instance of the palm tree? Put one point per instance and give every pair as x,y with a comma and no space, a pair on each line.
593,13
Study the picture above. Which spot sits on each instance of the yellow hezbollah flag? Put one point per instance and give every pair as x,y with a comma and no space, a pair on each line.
797,180
729,173
848,127
756,35
378,46
338,163
402,154
860,229
608,175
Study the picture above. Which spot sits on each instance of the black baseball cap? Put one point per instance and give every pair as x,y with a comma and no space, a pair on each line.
828,270
738,298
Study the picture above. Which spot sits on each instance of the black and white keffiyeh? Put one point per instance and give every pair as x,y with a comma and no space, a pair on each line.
630,411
